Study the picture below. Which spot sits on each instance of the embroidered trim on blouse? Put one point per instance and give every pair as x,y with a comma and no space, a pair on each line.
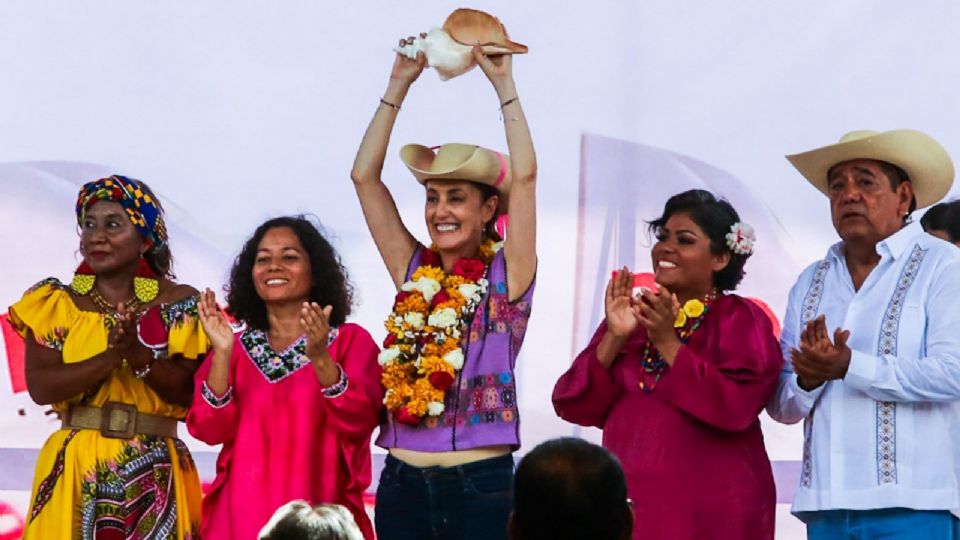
211,398
887,345
276,366
53,339
484,399
808,311
52,281
340,387
176,313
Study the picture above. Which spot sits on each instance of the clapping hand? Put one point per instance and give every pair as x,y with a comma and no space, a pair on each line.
820,360
215,323
123,337
658,313
316,325
621,312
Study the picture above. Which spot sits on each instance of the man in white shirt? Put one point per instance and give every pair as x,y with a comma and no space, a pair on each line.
879,395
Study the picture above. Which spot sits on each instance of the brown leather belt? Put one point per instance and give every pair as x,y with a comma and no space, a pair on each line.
118,420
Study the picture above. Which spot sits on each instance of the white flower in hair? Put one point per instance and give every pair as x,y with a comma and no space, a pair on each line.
741,238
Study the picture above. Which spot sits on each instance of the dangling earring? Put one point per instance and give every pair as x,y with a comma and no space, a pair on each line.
145,284
83,279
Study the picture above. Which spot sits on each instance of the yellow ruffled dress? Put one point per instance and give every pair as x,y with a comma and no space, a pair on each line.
89,486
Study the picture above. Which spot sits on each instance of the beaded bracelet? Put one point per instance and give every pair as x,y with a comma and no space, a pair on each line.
391,105
145,370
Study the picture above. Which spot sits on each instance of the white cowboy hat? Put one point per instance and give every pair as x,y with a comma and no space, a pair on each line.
926,163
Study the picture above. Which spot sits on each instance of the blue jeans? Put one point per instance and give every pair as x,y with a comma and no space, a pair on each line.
883,524
466,502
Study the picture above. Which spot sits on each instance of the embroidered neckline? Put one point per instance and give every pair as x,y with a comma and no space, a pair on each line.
276,366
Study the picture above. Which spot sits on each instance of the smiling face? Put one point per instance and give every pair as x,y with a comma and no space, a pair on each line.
455,214
863,204
108,239
281,269
682,260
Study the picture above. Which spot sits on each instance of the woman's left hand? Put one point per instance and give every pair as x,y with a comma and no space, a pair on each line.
498,69
658,313
316,325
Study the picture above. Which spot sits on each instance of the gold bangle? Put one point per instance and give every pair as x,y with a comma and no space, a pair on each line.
391,105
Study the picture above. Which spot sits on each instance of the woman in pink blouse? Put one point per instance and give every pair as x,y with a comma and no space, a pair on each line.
294,397
676,379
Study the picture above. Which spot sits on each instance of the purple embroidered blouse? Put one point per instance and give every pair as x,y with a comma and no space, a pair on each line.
480,408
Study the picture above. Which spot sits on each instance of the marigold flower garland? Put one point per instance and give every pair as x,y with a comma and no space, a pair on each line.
422,352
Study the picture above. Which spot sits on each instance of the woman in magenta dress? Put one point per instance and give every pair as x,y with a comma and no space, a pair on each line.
676,379
294,397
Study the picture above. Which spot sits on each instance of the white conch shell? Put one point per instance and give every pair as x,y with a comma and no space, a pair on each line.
443,54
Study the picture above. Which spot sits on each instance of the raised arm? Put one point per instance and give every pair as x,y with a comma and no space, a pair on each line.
392,238
521,243
213,415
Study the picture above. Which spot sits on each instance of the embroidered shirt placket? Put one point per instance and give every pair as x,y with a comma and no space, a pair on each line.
810,307
886,411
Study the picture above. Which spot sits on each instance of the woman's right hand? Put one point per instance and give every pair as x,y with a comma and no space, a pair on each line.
621,312
406,70
215,323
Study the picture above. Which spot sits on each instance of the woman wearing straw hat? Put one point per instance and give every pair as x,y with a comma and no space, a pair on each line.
458,320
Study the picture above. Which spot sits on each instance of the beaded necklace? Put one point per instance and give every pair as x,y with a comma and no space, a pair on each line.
688,320
109,311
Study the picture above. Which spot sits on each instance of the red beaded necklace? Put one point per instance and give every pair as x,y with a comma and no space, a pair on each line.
652,362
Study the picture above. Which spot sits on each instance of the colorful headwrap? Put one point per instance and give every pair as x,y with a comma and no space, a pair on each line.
141,205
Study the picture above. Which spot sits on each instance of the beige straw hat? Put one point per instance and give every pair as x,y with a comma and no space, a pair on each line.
455,161
926,163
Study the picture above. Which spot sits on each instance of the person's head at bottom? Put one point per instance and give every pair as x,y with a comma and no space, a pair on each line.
568,488
297,520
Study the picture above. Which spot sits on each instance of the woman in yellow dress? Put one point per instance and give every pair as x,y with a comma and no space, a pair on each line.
114,353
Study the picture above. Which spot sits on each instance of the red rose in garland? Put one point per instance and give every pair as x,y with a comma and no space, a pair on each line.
429,257
472,269
404,416
441,380
389,340
439,298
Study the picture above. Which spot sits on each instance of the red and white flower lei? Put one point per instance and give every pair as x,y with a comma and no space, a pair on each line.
422,352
